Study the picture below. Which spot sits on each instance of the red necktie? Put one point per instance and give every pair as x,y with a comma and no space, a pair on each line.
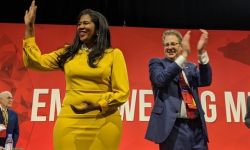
188,98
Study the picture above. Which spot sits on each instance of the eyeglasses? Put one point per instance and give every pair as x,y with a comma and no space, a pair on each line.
170,44
10,98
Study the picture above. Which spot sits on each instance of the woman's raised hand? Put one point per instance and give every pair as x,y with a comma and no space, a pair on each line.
30,15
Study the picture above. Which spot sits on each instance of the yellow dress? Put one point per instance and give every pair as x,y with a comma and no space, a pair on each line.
106,85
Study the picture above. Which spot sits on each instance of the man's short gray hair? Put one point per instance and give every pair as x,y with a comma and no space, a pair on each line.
5,93
171,32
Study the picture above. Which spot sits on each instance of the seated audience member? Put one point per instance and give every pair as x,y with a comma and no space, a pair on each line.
8,119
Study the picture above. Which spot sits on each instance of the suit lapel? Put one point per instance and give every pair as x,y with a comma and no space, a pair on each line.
186,70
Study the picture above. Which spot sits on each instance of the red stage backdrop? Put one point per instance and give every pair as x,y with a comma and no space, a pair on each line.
38,95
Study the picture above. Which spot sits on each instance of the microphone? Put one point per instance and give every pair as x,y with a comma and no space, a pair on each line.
247,117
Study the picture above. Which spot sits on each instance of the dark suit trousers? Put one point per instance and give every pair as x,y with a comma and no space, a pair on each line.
185,135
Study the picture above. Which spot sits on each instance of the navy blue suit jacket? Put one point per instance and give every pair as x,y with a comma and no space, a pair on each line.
164,77
12,127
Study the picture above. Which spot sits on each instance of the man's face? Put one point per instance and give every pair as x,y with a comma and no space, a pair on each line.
172,47
6,100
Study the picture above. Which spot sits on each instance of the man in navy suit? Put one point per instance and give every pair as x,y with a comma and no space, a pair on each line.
8,118
177,119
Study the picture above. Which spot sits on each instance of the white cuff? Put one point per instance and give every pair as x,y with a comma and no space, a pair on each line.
180,60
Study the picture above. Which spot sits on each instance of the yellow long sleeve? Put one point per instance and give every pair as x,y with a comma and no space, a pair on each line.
33,58
119,81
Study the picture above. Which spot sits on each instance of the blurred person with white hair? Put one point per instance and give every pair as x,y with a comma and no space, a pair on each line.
8,119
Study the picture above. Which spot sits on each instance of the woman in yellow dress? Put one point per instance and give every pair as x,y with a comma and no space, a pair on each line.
96,83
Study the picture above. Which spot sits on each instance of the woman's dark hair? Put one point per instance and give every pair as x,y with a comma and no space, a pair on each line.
101,41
